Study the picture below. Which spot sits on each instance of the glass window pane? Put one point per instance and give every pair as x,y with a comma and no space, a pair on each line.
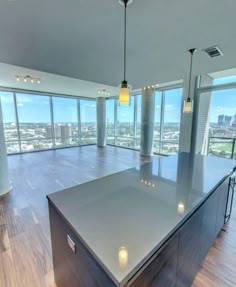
88,121
137,143
65,114
156,146
12,147
224,80
65,110
125,119
139,104
110,121
157,123
34,120
222,123
220,147
36,144
125,142
171,125
125,125
9,122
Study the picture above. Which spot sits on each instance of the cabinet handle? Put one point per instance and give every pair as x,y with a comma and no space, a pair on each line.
71,244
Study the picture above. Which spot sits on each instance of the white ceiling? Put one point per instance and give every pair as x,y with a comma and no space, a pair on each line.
51,83
83,39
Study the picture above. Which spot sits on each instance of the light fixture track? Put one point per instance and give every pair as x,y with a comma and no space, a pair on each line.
28,78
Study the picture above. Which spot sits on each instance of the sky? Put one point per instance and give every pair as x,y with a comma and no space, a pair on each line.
36,109
172,108
223,102
33,108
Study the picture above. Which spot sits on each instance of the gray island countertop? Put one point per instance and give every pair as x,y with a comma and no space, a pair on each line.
124,218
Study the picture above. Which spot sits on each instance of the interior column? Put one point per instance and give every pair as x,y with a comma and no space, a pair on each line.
101,122
5,185
147,120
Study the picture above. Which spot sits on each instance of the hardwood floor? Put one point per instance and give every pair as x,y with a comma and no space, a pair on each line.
219,267
25,248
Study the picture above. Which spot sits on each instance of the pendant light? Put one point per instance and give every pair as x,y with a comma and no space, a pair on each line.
188,104
124,89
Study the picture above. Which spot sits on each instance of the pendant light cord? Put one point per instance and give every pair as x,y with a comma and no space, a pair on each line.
125,3
190,73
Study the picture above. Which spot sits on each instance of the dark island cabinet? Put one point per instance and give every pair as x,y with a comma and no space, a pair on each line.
222,191
161,270
208,230
73,269
174,264
188,253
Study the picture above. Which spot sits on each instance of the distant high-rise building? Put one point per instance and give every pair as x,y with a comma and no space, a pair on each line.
57,130
66,132
225,121
221,120
234,121
49,131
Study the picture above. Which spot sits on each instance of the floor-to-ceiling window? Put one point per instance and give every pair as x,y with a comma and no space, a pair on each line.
157,123
9,121
167,120
88,121
222,123
34,117
38,122
171,121
110,121
138,121
125,124
217,96
65,119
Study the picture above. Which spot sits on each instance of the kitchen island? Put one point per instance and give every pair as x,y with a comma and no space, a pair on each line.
148,226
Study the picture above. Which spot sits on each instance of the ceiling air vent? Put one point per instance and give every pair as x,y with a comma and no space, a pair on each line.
213,51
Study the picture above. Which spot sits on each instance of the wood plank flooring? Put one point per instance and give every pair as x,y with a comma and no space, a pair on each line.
219,267
25,248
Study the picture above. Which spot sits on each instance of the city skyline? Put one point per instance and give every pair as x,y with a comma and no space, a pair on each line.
222,102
